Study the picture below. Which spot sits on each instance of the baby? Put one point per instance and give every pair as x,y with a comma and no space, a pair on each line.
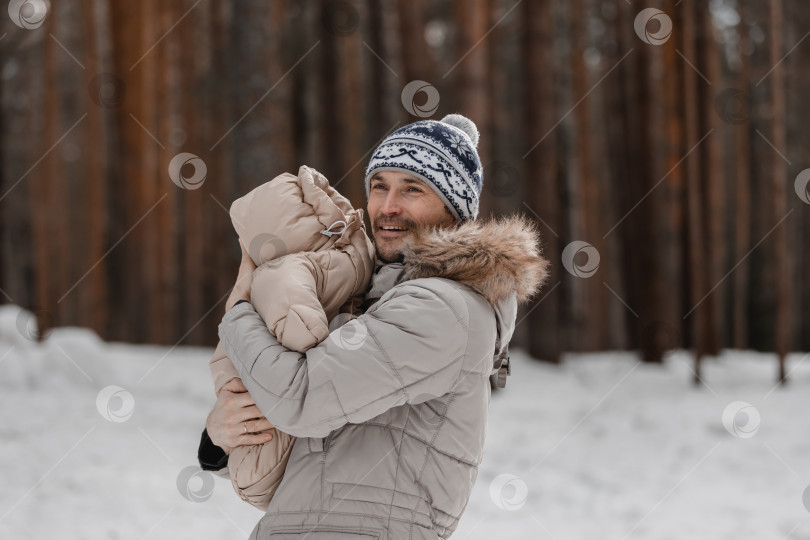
313,261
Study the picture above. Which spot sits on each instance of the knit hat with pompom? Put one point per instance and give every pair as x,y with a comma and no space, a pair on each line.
443,154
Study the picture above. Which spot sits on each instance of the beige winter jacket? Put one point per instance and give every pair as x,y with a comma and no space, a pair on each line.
313,261
390,410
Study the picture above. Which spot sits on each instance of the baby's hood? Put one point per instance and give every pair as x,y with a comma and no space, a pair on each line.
291,214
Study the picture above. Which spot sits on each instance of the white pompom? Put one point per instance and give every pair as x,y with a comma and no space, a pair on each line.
464,124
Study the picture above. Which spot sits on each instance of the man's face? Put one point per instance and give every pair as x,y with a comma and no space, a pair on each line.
399,200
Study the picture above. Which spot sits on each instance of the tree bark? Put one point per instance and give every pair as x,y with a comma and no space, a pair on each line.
781,263
542,191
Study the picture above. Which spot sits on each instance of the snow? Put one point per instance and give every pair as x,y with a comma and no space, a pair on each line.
601,446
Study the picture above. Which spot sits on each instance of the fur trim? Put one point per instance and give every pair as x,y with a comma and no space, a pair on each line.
494,257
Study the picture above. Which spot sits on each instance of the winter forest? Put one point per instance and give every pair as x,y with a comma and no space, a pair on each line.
659,379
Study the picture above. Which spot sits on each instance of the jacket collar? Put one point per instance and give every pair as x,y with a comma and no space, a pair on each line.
496,258
385,277
499,258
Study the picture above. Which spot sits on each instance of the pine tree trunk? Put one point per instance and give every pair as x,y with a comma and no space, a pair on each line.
781,264
542,166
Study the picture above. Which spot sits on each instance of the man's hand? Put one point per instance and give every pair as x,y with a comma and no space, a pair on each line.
244,280
236,420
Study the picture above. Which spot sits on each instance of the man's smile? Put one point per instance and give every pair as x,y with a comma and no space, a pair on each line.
386,232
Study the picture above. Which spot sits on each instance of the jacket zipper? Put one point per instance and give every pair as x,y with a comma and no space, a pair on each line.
327,441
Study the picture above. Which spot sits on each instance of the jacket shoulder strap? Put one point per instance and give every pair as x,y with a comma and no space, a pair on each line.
501,363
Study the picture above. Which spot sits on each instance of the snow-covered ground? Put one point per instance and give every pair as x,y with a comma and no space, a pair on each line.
599,447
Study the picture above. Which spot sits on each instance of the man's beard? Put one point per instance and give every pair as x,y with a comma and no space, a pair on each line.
414,229
400,257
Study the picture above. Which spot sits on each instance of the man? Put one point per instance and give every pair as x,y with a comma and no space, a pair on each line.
390,411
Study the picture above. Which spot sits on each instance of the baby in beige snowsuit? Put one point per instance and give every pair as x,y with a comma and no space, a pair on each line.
314,260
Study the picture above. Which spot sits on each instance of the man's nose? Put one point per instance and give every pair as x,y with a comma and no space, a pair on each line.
391,204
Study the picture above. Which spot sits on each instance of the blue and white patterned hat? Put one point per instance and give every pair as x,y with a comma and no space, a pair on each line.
443,154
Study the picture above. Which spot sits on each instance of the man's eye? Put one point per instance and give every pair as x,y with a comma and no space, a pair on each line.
417,189
376,186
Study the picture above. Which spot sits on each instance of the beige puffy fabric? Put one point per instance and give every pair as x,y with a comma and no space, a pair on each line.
314,260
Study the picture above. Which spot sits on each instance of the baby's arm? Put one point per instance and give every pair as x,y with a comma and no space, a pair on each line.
285,295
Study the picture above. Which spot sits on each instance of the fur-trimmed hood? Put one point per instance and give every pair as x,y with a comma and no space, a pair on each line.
495,258
498,258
